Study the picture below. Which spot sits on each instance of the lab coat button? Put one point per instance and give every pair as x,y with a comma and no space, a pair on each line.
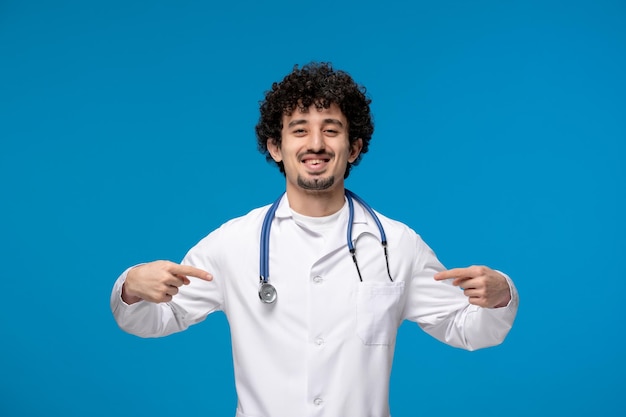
319,341
318,401
317,279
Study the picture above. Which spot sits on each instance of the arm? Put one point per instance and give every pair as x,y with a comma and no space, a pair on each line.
161,297
142,299
465,318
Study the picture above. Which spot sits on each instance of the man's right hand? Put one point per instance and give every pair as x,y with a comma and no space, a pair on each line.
158,281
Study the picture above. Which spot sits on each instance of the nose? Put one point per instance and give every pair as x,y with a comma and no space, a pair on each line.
316,141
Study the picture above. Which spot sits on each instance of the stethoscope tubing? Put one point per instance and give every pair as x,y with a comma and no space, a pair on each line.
265,241
267,292
350,195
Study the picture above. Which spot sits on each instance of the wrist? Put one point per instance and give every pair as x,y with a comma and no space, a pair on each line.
504,302
129,298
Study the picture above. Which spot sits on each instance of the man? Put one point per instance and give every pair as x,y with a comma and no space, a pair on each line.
320,340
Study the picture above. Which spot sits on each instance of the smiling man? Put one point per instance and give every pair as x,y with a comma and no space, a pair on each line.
315,151
317,339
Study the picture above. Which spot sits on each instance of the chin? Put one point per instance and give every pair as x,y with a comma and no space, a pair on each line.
316,183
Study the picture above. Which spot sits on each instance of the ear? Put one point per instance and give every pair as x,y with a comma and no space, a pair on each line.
273,146
355,150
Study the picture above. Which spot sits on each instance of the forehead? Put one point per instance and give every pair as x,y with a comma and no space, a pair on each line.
314,114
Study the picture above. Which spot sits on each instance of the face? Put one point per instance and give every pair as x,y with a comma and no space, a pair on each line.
315,149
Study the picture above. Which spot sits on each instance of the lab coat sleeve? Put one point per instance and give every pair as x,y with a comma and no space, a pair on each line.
191,305
444,312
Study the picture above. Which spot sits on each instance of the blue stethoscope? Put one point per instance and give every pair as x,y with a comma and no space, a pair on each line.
267,292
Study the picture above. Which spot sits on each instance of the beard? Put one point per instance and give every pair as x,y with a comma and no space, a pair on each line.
316,184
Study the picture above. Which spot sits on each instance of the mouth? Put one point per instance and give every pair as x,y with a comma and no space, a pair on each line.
315,163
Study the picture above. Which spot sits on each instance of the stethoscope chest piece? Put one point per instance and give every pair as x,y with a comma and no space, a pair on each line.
267,293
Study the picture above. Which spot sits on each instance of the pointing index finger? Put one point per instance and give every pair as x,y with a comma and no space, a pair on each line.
191,271
453,273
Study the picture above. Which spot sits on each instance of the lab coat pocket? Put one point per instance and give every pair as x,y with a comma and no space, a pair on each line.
378,307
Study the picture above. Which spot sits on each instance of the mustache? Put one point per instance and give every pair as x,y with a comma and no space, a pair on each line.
316,153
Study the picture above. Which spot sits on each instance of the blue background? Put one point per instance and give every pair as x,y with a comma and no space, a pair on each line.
127,135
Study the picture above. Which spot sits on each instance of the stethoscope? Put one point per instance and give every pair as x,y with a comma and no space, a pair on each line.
267,292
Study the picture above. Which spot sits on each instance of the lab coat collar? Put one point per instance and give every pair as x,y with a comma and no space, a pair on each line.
337,239
283,211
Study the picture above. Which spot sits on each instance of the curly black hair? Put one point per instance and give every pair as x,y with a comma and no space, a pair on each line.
320,85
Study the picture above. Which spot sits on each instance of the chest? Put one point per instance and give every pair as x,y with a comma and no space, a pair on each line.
318,286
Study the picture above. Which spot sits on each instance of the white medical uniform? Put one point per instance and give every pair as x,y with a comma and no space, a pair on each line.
325,348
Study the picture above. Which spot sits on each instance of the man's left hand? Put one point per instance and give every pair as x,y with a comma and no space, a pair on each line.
483,286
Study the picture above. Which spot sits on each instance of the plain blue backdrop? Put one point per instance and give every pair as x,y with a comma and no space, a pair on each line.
127,134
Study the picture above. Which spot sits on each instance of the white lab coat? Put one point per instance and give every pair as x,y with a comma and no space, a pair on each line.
325,348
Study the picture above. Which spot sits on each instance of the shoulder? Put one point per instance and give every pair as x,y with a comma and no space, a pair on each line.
394,226
239,229
252,218
409,245
399,233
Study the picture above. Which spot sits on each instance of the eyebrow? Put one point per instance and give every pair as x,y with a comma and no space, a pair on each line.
304,121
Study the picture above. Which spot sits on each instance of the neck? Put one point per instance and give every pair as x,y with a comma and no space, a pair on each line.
316,203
